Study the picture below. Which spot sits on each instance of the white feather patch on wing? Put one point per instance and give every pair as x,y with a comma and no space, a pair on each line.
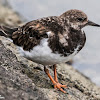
49,33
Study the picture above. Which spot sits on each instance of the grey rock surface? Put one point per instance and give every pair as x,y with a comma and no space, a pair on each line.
21,79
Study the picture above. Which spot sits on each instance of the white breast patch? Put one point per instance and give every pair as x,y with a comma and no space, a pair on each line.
43,54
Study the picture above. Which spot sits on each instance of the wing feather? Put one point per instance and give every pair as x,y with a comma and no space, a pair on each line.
29,35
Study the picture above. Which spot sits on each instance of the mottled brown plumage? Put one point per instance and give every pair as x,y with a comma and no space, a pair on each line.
51,40
31,34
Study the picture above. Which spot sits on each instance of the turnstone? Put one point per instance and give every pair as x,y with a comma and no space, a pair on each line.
51,40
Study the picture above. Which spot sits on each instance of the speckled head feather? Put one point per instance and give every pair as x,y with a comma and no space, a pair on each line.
75,18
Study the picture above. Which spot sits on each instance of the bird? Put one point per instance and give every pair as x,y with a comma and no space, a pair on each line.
50,40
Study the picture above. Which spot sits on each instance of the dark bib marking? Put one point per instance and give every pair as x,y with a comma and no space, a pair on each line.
75,38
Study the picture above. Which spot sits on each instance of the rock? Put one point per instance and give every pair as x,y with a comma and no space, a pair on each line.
21,79
9,17
14,85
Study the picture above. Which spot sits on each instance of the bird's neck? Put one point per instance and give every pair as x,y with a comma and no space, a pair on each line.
64,21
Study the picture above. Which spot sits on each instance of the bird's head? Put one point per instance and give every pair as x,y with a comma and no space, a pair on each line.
77,19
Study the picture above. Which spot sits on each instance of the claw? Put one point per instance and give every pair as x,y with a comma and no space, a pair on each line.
59,86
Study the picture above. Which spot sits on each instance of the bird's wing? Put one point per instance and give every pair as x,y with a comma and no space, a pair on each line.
30,35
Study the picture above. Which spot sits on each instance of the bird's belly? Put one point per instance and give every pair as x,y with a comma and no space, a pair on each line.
43,54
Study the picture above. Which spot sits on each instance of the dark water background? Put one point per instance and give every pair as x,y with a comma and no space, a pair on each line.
88,60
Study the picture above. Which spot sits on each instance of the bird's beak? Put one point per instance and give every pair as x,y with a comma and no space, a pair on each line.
92,23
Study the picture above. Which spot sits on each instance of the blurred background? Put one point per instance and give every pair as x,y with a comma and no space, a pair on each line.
88,60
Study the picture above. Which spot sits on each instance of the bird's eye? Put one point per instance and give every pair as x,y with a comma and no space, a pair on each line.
81,19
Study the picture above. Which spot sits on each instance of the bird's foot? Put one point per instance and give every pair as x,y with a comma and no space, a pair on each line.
60,86
55,82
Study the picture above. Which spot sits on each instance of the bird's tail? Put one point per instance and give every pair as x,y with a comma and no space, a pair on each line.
7,32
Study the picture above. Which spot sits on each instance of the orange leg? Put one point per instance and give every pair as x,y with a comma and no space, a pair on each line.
55,73
55,82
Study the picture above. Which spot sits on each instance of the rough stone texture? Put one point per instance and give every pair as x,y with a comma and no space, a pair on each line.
14,85
21,79
8,17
